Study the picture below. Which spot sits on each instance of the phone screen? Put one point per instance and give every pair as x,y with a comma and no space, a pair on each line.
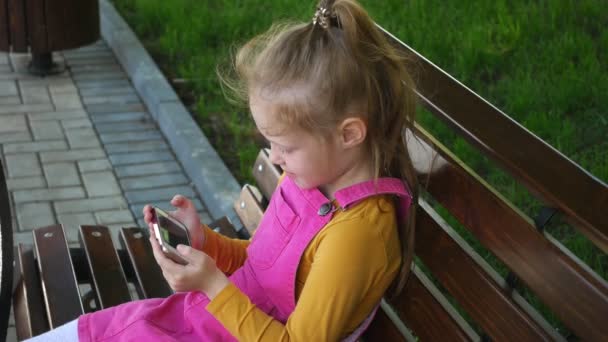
171,232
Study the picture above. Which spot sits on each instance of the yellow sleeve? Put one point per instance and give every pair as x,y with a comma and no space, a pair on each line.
229,254
350,272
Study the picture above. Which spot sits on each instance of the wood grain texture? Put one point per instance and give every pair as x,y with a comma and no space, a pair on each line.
150,281
28,302
248,207
60,288
4,26
581,196
382,329
578,296
36,25
108,278
17,25
488,303
265,173
428,314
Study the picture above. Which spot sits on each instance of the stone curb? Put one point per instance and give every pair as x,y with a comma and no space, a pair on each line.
214,182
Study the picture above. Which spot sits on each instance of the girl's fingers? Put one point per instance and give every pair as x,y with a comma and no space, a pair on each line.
165,263
180,201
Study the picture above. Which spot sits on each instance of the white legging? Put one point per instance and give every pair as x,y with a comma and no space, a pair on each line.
65,333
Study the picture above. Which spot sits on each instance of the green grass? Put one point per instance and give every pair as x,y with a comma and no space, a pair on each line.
545,63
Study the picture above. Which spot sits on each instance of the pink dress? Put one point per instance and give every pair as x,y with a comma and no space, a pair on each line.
293,218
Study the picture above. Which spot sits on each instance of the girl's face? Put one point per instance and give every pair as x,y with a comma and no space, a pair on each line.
307,159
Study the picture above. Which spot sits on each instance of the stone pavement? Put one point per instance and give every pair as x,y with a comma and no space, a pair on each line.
81,148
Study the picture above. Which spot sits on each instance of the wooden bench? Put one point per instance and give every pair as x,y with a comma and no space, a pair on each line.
452,294
41,27
6,255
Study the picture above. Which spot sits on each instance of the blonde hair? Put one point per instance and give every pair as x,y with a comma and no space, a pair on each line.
319,74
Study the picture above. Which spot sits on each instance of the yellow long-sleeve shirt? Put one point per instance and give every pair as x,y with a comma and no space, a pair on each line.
343,274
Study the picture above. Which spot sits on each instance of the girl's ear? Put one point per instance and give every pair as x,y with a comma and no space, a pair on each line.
353,131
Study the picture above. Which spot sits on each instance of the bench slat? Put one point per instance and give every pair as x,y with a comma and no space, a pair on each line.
489,304
265,173
423,309
382,329
17,27
109,280
150,282
60,287
548,271
248,207
30,318
36,26
585,197
224,227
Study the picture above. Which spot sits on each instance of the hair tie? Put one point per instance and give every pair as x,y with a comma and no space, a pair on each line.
324,17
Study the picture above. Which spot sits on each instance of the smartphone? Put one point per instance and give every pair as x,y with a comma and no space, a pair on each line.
170,232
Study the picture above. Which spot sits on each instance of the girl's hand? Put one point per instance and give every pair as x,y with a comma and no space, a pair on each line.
186,214
200,274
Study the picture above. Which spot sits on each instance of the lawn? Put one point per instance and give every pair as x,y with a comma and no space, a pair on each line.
545,63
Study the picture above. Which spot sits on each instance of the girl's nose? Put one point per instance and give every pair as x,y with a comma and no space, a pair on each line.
275,156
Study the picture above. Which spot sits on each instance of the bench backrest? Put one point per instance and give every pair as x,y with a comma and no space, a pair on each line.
568,287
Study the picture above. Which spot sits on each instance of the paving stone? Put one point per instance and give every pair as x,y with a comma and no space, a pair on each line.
126,126
74,155
118,117
13,123
100,76
92,92
78,54
9,100
35,146
61,174
23,237
44,130
8,88
35,215
67,101
130,136
159,194
111,99
25,183
35,94
22,165
88,68
59,115
147,169
155,181
141,157
136,146
100,183
94,165
103,84
82,138
91,204
89,61
114,216
47,81
15,137
26,108
62,88
76,123
72,222
115,108
53,194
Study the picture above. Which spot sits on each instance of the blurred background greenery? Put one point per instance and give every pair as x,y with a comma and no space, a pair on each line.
543,62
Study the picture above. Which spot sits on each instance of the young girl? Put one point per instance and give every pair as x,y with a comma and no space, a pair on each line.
333,99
